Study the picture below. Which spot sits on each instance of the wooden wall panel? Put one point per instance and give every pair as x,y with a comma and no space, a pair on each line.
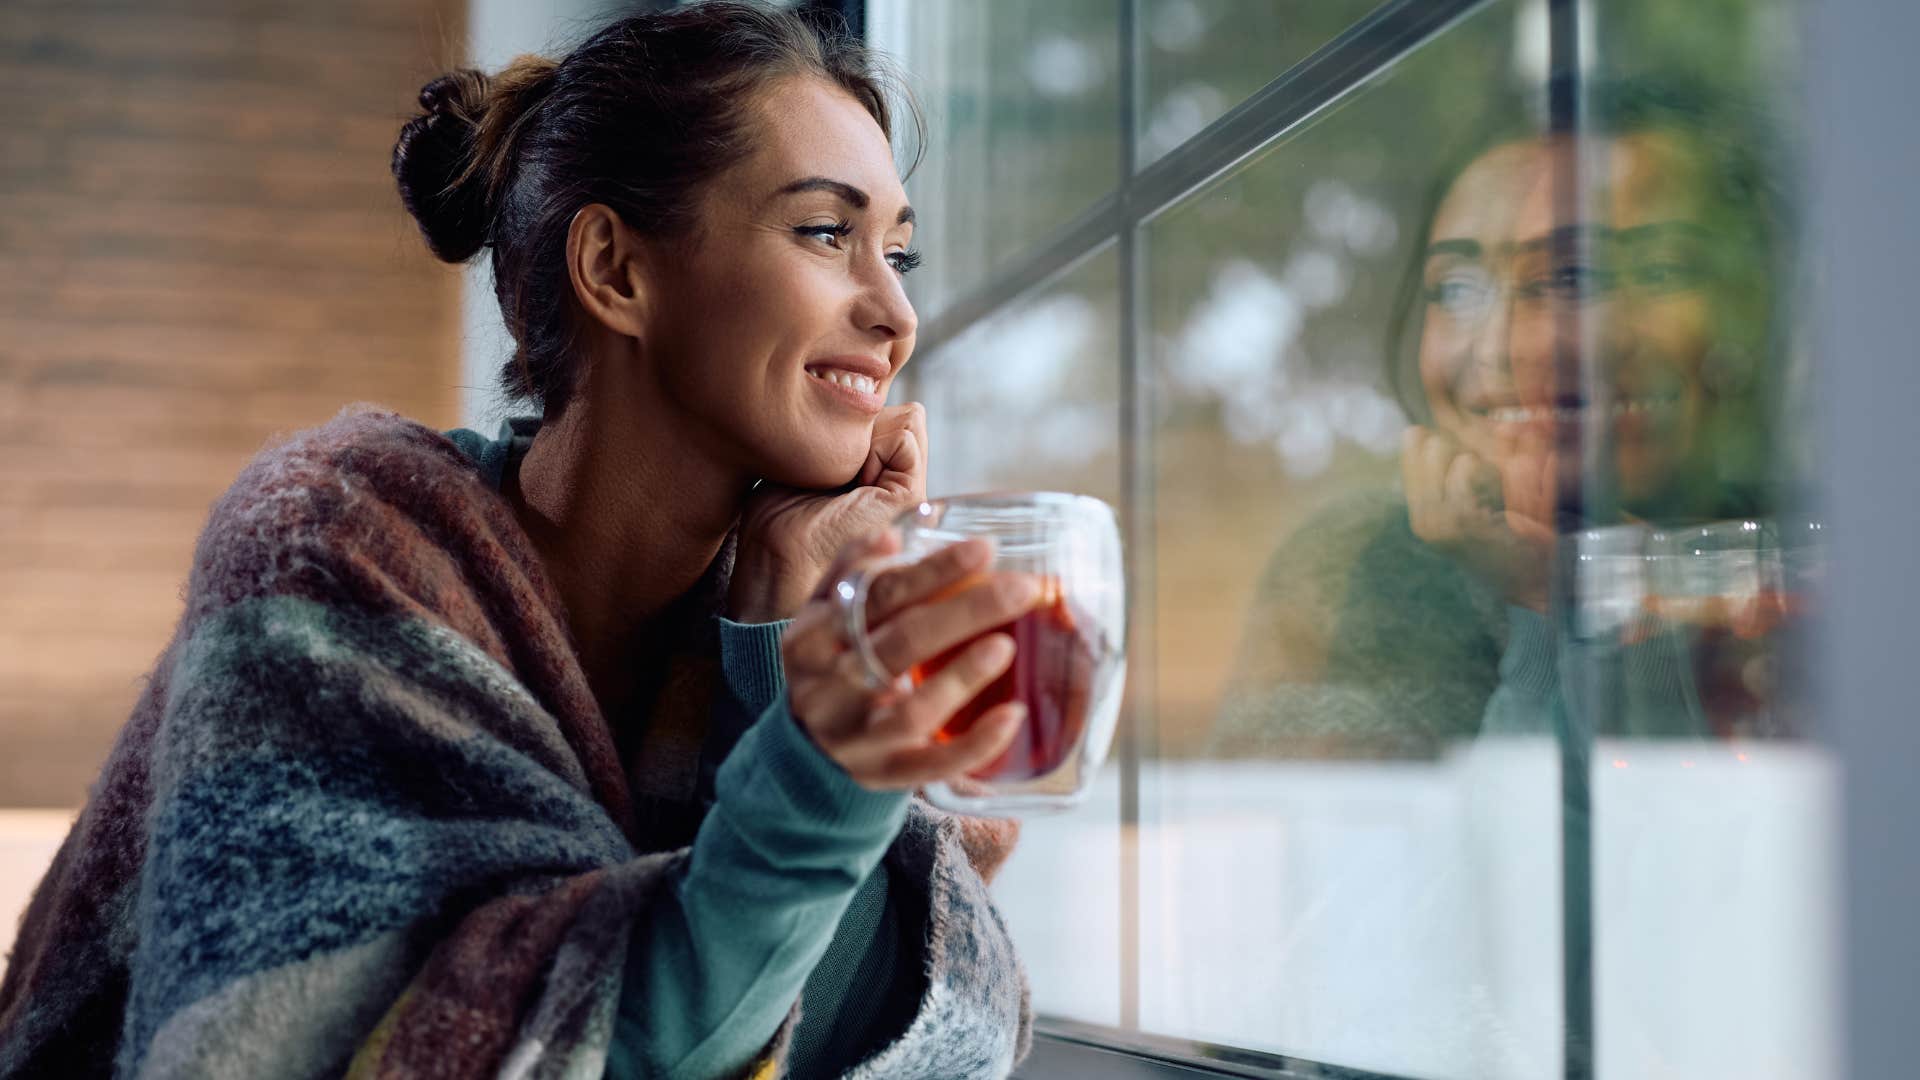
200,248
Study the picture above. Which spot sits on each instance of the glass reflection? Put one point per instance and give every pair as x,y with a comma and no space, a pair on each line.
1588,389
1200,58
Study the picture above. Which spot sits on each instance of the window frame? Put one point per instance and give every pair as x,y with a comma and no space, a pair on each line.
1065,1049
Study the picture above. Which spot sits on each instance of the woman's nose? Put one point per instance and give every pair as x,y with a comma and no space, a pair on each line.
883,307
1489,359
1531,350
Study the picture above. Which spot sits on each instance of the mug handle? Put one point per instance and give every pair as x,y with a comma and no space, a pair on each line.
850,592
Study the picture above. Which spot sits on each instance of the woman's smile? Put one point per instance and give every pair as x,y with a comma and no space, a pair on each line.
855,382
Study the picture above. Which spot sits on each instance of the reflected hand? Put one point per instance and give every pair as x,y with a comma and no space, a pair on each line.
1731,648
788,536
889,737
1745,617
1494,522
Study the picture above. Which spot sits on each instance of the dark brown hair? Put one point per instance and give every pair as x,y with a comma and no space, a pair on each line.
638,117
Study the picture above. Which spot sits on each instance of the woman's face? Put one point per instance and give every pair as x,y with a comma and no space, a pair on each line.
779,325
1502,287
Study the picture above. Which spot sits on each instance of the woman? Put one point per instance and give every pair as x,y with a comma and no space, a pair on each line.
477,757
1642,324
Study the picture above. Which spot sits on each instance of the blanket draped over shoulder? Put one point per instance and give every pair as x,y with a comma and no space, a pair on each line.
367,819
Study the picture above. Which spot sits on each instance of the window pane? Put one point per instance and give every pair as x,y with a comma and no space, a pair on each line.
1023,107
1477,452
1203,57
1350,847
1714,814
1030,399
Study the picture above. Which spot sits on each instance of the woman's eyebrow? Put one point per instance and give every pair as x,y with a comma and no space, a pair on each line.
1660,230
846,192
1469,248
1570,238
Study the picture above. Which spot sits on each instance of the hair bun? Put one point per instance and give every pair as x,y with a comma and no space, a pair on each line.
433,163
463,89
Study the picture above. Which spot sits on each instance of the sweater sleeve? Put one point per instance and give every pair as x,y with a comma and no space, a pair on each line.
1654,695
865,989
1529,684
789,843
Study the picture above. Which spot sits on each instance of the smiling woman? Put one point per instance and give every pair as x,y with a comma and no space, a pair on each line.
501,757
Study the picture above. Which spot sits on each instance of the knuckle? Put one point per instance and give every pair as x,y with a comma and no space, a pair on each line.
1011,593
884,717
984,601
889,592
986,658
895,639
846,667
915,715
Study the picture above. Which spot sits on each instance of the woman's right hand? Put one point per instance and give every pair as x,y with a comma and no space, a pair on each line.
1494,522
885,737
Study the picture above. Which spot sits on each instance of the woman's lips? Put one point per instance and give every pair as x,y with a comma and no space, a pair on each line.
850,388
1625,412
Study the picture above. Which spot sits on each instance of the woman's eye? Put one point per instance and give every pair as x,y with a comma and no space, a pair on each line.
1579,281
1572,281
904,261
830,234
1461,293
1666,275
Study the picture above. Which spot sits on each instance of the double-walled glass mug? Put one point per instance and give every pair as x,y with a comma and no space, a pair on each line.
1741,588
1069,651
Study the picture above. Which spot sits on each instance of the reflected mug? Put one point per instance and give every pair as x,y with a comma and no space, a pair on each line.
1733,583
1069,651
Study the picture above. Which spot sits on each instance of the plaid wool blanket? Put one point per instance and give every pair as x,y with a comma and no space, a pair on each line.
366,817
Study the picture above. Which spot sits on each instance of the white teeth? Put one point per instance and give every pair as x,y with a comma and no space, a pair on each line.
848,379
1641,406
1524,414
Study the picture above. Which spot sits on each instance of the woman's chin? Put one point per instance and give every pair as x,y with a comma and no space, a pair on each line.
818,472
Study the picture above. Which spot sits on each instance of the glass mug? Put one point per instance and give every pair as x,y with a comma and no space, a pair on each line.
1069,651
1738,585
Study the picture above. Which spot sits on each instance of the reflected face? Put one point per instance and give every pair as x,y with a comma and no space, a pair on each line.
779,326
1505,278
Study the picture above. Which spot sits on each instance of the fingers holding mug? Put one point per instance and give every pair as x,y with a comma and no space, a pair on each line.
912,668
900,612
915,717
904,726
967,753
932,628
895,589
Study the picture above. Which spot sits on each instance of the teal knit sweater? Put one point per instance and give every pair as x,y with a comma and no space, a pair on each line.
785,887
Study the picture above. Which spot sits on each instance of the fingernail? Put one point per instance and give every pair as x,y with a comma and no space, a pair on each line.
1022,590
1000,649
977,551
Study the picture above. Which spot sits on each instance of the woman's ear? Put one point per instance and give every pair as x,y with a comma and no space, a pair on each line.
605,261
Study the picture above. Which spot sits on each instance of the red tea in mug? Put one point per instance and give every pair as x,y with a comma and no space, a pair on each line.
1052,673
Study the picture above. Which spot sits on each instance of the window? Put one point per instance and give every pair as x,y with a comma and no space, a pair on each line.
1443,362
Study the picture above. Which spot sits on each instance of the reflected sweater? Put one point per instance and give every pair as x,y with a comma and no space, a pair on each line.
367,819
1362,640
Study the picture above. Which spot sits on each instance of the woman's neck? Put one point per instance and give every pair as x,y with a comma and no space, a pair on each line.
626,519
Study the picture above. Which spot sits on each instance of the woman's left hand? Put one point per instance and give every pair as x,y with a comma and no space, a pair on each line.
789,536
